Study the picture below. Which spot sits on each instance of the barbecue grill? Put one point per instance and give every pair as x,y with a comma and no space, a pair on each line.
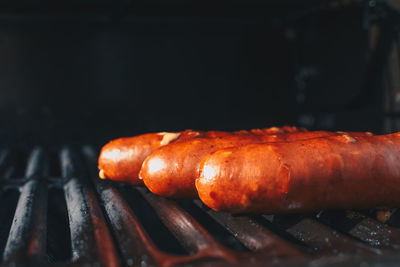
58,213
54,211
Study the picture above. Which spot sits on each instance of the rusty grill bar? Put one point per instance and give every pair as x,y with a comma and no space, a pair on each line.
117,225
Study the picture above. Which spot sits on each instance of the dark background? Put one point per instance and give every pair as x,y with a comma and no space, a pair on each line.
95,70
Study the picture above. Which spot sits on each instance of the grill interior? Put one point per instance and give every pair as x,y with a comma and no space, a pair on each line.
119,68
55,211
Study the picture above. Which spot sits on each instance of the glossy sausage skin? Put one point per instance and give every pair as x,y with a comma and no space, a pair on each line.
334,172
121,159
171,171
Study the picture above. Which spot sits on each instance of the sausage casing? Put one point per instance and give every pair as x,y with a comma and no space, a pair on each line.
172,170
121,159
302,176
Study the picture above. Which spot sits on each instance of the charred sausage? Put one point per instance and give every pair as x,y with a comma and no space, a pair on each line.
172,170
120,160
303,176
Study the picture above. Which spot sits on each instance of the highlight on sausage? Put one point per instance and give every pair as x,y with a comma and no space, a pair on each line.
171,171
336,172
121,159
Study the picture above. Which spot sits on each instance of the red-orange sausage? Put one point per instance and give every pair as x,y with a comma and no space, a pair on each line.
172,170
120,160
302,176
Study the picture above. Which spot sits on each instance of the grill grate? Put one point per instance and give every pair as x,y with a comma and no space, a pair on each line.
117,225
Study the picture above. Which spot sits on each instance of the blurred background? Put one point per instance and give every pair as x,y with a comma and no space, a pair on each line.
89,71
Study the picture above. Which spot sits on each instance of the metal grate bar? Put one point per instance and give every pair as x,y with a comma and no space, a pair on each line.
325,239
91,240
28,231
186,229
376,233
268,237
37,165
367,229
253,235
131,234
126,227
128,231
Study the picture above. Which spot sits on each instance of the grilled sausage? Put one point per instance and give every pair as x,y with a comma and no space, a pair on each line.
120,160
172,170
303,176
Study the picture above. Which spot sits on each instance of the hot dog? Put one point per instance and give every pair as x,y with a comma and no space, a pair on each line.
303,176
120,160
172,170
